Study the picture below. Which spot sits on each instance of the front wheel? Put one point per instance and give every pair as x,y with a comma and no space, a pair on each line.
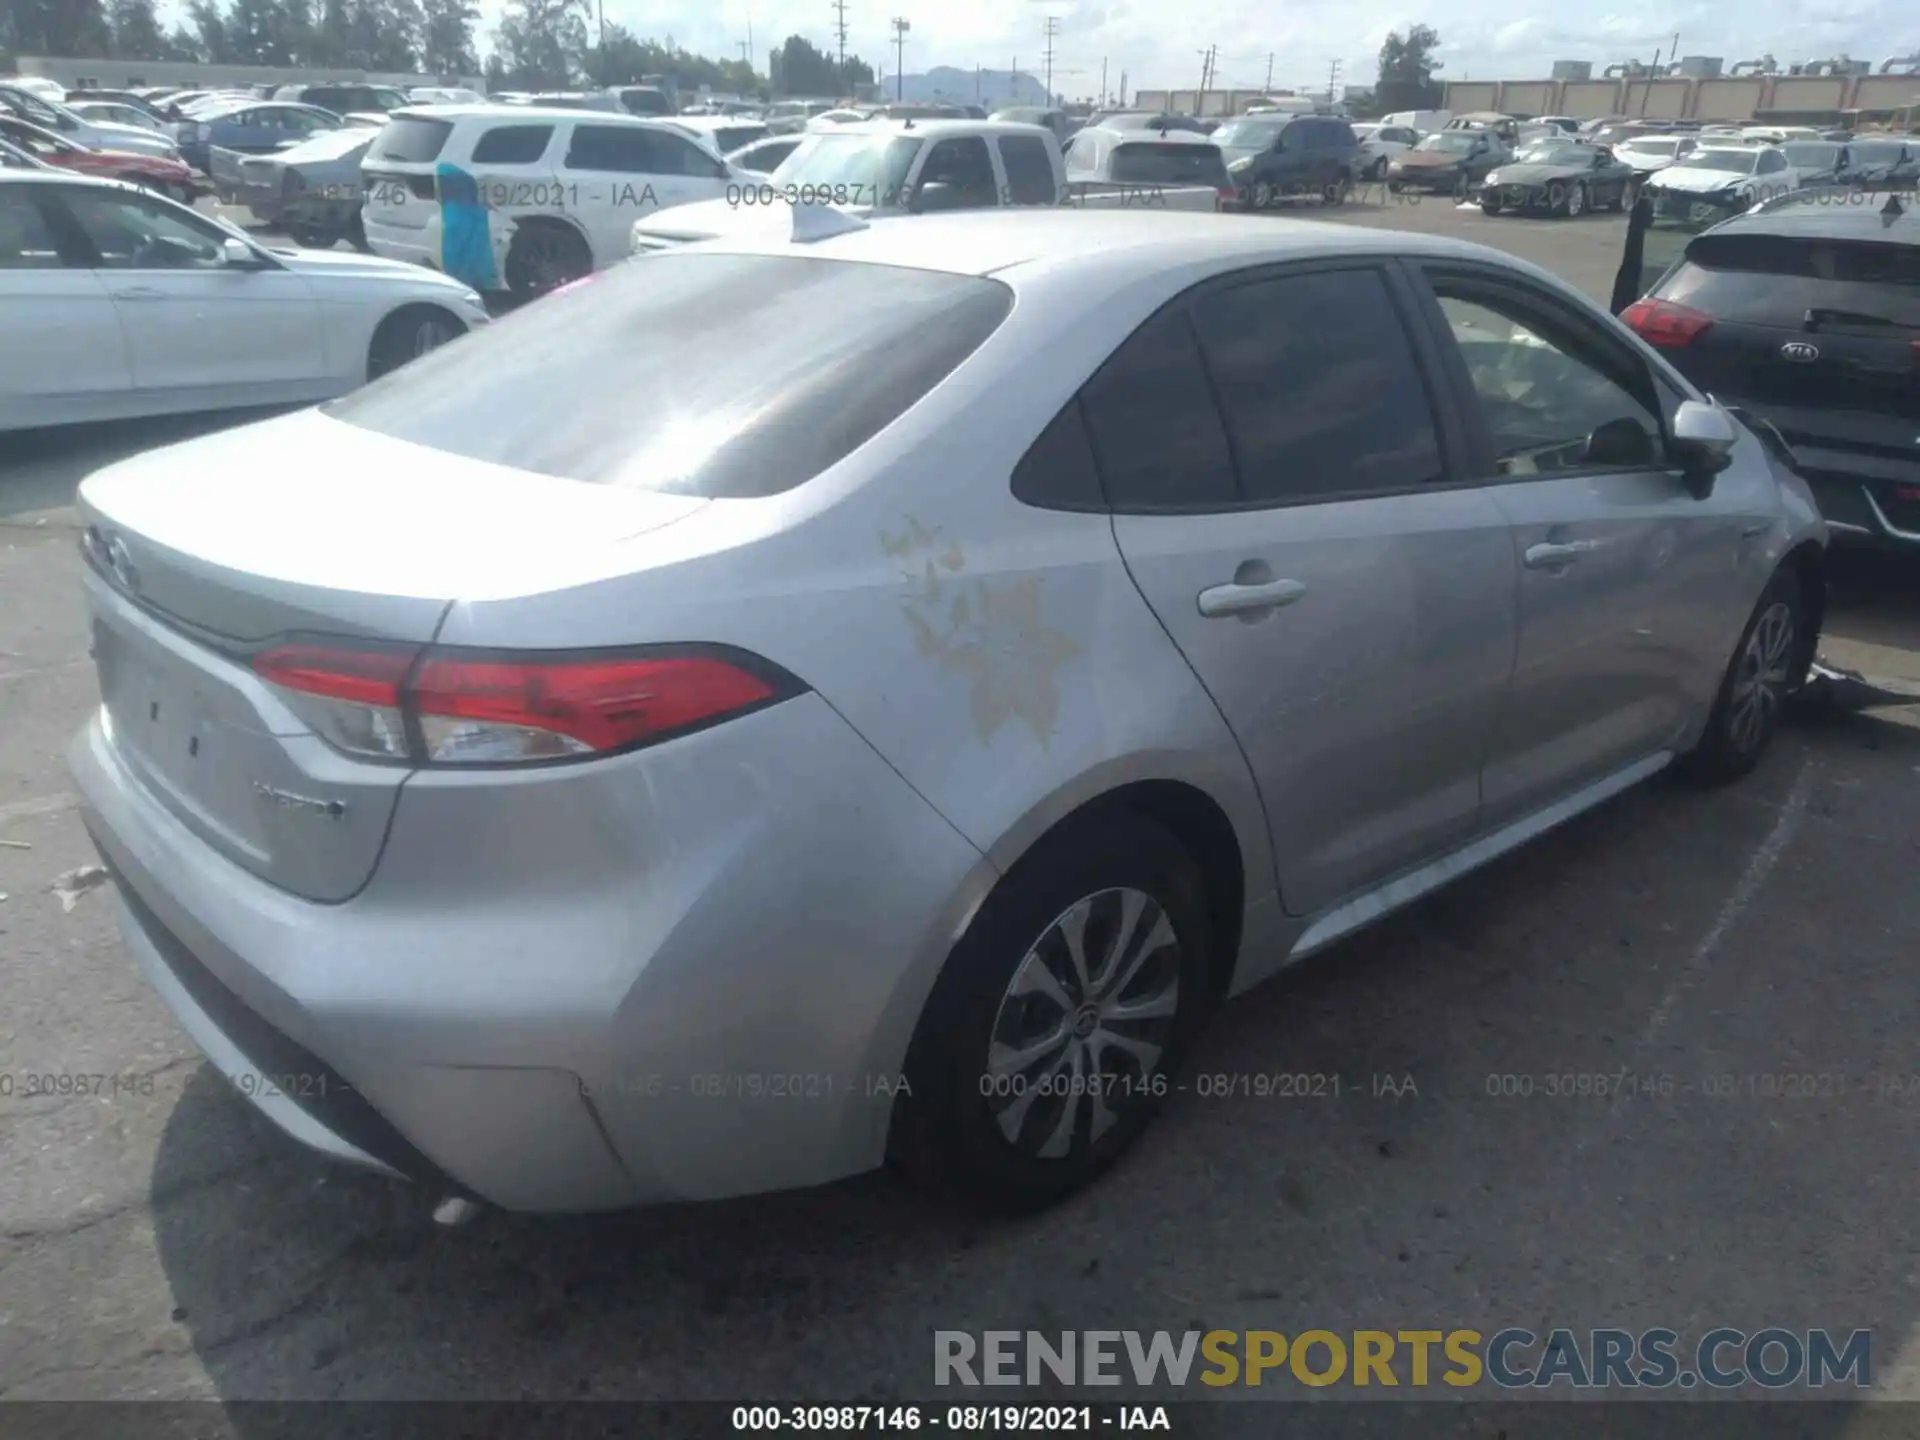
1266,195
407,334
312,237
545,256
1489,203
1337,191
1053,1034
1576,205
1768,665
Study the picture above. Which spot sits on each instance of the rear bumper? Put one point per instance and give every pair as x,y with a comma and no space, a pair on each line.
690,974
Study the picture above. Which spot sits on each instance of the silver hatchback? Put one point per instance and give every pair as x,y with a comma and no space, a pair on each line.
786,703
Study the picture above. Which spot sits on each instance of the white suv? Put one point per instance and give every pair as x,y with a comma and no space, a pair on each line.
561,188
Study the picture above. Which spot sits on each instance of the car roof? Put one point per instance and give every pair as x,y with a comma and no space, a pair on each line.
520,114
714,122
959,125
1128,245
1155,137
1820,214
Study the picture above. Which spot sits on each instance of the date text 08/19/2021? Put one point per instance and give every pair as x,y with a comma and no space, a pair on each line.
896,1420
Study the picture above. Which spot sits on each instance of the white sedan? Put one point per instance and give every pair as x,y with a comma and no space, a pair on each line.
1719,176
1381,145
117,303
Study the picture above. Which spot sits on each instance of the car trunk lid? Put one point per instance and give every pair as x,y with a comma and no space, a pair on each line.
200,561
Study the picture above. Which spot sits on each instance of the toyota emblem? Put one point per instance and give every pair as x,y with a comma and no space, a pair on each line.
1799,351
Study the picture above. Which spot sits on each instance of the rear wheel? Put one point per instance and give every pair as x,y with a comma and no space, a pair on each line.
1378,170
1576,205
357,234
1265,195
1768,665
1052,1035
1337,191
545,255
407,334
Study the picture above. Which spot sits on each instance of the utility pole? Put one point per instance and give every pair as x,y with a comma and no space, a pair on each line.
1121,99
1013,82
1333,75
1206,69
1269,84
605,76
1103,82
1050,29
900,28
840,29
977,72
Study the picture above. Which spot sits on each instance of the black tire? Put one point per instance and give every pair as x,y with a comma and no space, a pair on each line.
1336,191
357,234
1765,667
408,333
544,255
1266,195
312,237
948,1134
1489,203
1394,187
1576,202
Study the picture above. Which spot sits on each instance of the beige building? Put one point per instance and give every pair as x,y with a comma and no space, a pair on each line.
1681,97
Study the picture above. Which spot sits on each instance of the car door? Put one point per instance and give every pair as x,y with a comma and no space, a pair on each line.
1624,573
1348,607
198,329
1028,167
964,163
64,357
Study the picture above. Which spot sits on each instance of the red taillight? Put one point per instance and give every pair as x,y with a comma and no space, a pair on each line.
602,704
452,706
1224,195
1665,325
363,676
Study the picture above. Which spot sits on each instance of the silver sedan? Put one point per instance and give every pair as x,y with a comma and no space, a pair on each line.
784,704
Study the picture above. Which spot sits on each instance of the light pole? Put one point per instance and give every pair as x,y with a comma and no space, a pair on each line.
900,28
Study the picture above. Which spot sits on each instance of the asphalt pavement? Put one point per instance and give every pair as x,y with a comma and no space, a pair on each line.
158,1240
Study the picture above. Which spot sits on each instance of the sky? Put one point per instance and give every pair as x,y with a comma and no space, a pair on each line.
1159,45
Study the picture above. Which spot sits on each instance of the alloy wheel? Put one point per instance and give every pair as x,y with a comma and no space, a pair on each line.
1576,202
1083,1023
1760,682
430,335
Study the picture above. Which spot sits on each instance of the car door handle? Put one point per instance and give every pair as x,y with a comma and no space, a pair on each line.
1551,557
1219,600
140,292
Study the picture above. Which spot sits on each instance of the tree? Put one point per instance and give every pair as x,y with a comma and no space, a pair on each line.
136,30
211,29
446,38
55,27
542,44
1407,68
800,69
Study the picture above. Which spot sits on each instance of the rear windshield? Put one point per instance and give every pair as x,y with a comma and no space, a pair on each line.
1775,280
1144,163
725,376
411,140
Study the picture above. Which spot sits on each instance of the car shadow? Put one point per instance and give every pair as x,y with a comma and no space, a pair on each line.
1431,1202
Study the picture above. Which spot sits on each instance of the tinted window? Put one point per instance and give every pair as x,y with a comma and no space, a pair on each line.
328,98
1155,429
1149,164
1776,279
964,164
514,144
131,233
1029,170
1318,387
26,243
1058,472
1771,161
1550,399
695,374
645,102
410,140
734,137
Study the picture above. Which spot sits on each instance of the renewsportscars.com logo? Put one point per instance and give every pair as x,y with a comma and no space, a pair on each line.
1722,1358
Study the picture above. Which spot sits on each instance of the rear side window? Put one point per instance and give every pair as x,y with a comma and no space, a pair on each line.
1776,279
411,141
1029,170
1148,164
513,145
739,135
1319,389
726,376
1156,432
1058,471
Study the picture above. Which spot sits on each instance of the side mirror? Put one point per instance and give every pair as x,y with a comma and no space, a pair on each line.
931,195
238,253
1702,441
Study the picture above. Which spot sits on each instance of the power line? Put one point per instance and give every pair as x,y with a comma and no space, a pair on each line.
840,28
900,28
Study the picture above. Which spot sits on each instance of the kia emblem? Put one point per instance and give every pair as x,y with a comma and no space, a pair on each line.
1799,351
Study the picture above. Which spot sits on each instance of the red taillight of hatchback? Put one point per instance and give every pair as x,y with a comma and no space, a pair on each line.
448,706
1665,325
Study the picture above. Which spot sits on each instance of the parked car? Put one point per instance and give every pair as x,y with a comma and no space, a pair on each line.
444,95
1816,162
1058,121
133,99
36,85
889,168
763,157
721,133
791,116
1804,312
249,127
1718,180
1563,177
1504,128
150,172
121,303
643,100
94,134
344,98
1777,134
1884,162
1566,124
1424,122
1273,157
562,187
1158,165
1149,120
602,101
311,189
1380,145
1450,162
518,852
1650,153
12,157
115,112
